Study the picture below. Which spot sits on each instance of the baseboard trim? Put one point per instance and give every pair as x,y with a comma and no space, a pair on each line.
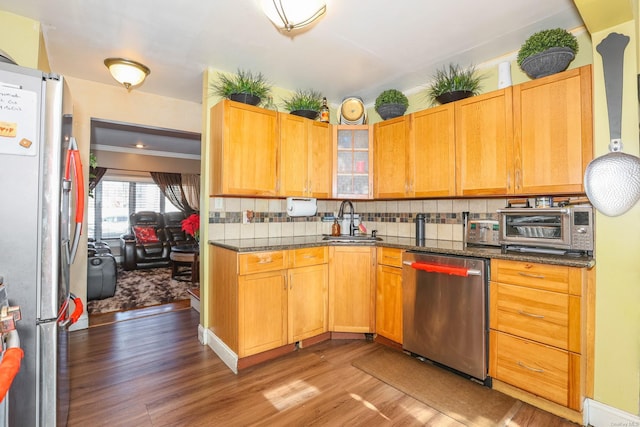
227,356
598,414
82,323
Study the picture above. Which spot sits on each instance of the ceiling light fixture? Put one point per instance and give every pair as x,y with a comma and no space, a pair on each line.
127,72
293,14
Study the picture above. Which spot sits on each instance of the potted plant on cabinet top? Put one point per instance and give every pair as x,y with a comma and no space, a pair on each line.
305,103
244,86
391,103
453,83
547,52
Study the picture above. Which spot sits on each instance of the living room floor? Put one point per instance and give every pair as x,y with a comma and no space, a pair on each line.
152,371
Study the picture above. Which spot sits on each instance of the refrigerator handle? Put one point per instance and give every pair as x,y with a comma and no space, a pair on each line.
73,157
11,361
77,312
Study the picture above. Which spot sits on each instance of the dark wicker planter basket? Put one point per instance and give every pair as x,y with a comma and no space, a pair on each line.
309,114
245,98
456,95
389,111
551,61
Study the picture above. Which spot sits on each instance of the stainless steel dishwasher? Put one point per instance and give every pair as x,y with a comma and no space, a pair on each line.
445,311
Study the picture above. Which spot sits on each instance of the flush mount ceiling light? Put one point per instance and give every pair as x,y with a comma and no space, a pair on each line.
127,72
293,14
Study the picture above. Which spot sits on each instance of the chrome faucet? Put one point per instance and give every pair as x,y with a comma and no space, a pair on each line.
352,227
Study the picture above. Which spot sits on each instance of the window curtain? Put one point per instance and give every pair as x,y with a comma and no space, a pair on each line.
95,175
191,188
171,186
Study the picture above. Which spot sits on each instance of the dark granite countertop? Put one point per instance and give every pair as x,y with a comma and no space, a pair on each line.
406,243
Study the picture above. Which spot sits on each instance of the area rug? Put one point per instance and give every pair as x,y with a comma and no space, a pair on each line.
141,288
459,398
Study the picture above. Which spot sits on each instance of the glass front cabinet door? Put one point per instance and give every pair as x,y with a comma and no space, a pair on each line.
353,161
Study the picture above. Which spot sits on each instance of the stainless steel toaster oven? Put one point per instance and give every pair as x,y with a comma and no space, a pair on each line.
567,228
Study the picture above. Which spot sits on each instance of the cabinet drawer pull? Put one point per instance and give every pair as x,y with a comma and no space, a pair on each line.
537,316
540,371
535,276
265,261
308,256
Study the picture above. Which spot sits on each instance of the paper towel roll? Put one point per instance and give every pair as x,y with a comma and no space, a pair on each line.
301,207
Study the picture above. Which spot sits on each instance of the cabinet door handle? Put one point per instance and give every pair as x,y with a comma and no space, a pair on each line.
537,316
534,276
286,282
265,261
522,365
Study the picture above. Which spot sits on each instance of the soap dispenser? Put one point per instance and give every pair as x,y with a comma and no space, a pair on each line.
335,228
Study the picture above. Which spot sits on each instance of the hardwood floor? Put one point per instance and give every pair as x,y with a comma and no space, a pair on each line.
152,371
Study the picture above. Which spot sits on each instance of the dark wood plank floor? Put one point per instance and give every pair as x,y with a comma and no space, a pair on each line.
152,371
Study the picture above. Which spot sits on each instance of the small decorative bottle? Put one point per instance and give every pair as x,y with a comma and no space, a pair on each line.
324,111
335,228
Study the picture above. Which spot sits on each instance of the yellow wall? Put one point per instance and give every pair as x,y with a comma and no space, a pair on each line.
20,38
617,353
97,100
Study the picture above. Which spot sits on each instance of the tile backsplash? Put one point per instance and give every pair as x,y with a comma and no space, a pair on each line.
390,218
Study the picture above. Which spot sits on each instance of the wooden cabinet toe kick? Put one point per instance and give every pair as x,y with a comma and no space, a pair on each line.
256,359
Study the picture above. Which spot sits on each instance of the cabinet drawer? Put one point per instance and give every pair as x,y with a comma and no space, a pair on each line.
390,256
541,316
533,367
308,256
556,278
259,262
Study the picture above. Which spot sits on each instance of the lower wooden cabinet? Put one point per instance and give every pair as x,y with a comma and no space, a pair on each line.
389,294
307,301
541,319
351,289
263,300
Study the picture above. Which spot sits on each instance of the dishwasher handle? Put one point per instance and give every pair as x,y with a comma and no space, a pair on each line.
443,269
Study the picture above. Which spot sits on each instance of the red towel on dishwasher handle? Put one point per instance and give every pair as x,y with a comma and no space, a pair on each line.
438,268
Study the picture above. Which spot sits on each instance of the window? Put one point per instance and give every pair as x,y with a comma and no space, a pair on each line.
114,200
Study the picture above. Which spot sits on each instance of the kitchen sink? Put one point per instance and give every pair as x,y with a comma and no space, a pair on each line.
359,238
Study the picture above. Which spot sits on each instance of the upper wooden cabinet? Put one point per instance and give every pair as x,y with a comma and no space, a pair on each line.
352,161
433,152
553,132
305,157
484,144
392,157
243,150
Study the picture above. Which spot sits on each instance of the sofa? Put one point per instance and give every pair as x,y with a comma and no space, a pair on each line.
102,271
146,245
173,229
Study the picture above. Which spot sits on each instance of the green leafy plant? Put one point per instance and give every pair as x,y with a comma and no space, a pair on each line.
546,39
391,96
304,100
242,82
453,78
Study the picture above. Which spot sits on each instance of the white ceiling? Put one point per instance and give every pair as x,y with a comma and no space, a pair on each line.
359,48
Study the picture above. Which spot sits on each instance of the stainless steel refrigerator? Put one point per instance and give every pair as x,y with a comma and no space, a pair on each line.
37,166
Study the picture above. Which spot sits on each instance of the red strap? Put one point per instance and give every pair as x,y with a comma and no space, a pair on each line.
439,268
79,308
9,368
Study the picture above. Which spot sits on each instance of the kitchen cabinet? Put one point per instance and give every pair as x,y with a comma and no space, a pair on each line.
352,162
433,153
243,150
389,293
541,320
392,158
306,156
553,132
264,300
484,144
308,294
352,289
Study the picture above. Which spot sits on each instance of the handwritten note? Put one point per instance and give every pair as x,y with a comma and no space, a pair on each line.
19,121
